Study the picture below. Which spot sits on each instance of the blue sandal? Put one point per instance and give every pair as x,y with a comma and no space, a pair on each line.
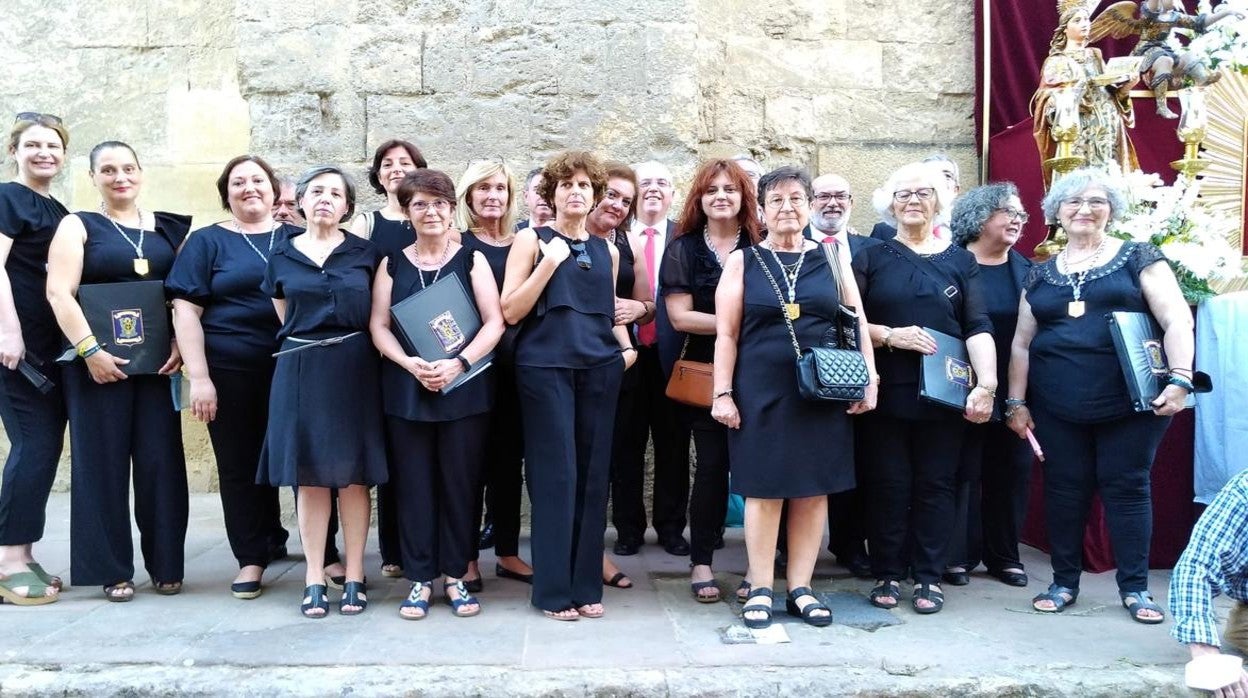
416,600
316,600
353,594
1136,601
806,613
749,607
1057,595
465,599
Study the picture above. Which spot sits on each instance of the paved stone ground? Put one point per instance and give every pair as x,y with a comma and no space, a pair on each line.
653,641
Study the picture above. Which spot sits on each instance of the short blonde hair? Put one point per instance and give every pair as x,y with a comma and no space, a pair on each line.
477,172
882,199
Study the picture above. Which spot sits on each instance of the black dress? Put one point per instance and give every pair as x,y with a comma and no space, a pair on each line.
389,237
325,426
787,447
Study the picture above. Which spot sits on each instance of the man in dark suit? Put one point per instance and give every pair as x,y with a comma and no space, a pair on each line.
654,415
540,212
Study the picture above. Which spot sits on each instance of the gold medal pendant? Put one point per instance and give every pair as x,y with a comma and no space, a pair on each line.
141,267
1075,309
793,310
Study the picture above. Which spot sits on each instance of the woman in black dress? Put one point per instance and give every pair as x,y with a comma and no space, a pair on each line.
634,304
1066,384
325,426
996,466
34,420
485,214
718,219
117,420
910,284
227,334
570,357
780,446
438,439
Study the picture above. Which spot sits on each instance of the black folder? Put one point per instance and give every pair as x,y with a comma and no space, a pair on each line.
946,377
1142,356
131,321
437,323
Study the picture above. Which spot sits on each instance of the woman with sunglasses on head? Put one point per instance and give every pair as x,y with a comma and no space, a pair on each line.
610,220
227,333
485,214
570,358
34,420
115,419
910,284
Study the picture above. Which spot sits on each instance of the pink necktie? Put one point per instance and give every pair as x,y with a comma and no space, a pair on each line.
830,239
646,334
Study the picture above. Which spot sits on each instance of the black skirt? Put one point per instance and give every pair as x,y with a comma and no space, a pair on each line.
325,423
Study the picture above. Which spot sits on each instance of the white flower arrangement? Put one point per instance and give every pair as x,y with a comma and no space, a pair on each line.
1174,218
1225,44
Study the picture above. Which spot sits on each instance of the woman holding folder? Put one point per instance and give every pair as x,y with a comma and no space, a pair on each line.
437,432
117,415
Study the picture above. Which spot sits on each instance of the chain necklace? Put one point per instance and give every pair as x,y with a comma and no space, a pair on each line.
272,233
706,237
446,251
792,309
1076,308
141,266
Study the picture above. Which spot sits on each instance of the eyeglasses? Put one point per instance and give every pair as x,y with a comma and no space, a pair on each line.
842,197
583,260
439,205
1095,203
924,194
1014,214
796,201
37,116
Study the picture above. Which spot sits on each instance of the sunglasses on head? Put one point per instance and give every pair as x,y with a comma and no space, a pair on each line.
37,116
583,259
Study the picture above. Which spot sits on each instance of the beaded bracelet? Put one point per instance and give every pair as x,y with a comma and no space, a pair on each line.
1175,379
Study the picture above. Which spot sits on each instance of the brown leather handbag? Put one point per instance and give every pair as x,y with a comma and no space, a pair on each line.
690,383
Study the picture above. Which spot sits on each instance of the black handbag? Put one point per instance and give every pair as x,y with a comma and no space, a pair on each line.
827,373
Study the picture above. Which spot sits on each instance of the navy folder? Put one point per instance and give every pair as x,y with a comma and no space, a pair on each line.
131,321
1142,356
946,377
437,323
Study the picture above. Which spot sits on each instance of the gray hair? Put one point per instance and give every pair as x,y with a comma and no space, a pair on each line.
787,173
301,187
941,157
1080,181
882,198
975,207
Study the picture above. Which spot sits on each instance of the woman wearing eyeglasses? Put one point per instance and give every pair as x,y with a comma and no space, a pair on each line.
570,358
993,475
1066,385
910,284
33,420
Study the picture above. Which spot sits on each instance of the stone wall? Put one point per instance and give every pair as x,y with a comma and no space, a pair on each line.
853,87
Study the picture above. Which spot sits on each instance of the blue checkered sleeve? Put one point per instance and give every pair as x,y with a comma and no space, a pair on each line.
1215,561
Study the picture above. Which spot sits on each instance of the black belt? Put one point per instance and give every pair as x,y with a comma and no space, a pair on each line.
295,344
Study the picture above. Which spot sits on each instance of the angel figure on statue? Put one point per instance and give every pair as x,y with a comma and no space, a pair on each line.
1164,67
1071,95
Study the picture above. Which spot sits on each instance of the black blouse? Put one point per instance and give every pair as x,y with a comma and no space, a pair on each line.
1002,285
390,237
30,220
689,266
323,301
108,254
1074,369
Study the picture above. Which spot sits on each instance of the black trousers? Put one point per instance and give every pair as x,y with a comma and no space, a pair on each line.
252,513
910,476
1114,459
991,499
437,472
388,521
112,426
847,511
35,425
653,416
568,420
708,501
504,465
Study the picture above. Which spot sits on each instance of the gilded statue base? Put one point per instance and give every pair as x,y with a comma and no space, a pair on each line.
1189,167
1063,165
1053,244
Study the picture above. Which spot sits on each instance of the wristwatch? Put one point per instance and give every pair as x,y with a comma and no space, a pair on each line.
464,362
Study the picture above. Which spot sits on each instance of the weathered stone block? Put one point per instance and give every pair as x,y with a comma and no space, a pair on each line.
899,117
280,16
107,24
207,125
305,129
190,23
806,20
924,67
938,21
386,59
315,59
573,14
804,64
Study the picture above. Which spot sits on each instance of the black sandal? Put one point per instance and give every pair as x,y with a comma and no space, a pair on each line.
927,592
743,591
1136,601
757,623
806,613
316,599
1056,595
886,589
353,594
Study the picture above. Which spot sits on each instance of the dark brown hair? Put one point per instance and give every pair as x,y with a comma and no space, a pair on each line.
412,151
45,120
223,182
692,215
426,181
619,170
561,168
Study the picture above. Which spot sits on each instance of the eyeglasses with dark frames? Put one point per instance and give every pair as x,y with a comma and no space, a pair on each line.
37,116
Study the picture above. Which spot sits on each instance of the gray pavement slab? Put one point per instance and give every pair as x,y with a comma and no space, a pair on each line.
654,640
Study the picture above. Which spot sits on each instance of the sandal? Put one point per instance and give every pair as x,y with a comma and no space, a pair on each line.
119,592
353,594
698,587
36,590
567,614
48,579
465,599
618,580
1137,601
391,570
168,588
416,601
315,600
590,610
806,613
927,592
765,609
743,591
1061,597
886,589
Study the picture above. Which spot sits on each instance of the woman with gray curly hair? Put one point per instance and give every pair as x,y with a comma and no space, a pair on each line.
992,477
1065,383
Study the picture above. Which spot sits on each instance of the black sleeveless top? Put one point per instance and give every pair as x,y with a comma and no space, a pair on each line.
570,325
30,220
627,275
108,254
390,237
402,395
496,257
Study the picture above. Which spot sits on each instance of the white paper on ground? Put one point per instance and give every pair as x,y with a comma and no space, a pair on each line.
773,634
1210,672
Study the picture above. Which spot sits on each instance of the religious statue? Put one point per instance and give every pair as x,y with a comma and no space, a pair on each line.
1081,114
1163,66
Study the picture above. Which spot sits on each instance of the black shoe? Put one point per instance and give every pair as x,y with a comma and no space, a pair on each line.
958,578
504,573
675,545
1014,579
475,586
858,565
486,540
626,546
246,590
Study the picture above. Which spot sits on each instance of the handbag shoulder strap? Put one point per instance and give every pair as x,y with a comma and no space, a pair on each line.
829,253
797,349
928,270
